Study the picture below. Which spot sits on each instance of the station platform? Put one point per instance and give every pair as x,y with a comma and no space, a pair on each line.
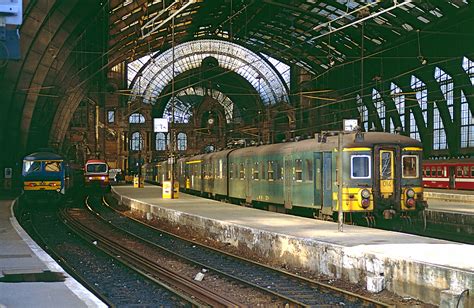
29,277
434,271
450,200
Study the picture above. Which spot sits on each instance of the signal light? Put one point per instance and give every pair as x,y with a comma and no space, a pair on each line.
410,203
365,203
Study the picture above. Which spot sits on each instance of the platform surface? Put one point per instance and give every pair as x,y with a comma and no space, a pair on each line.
20,255
394,244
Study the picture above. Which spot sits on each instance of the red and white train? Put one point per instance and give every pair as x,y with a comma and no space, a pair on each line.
449,174
96,173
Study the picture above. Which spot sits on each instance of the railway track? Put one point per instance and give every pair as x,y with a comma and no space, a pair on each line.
115,284
152,261
303,291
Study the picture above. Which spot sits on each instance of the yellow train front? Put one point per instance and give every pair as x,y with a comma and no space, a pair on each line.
45,177
382,177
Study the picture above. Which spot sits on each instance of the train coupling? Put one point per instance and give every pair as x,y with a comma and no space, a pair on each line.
389,214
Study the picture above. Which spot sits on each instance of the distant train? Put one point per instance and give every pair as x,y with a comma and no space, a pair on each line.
45,176
449,174
382,176
96,174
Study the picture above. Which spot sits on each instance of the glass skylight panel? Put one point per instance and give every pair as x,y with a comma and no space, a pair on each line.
230,56
379,106
468,67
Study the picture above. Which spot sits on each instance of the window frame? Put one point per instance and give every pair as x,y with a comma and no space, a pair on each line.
369,163
417,166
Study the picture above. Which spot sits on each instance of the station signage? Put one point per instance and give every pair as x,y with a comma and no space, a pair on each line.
160,125
350,124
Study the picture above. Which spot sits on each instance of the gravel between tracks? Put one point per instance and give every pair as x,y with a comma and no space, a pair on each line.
183,231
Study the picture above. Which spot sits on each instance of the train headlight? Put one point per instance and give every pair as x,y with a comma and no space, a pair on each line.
365,193
410,193
410,203
102,178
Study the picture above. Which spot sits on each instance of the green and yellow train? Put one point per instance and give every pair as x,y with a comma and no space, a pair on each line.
381,177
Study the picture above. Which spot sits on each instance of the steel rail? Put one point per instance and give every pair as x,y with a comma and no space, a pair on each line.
149,268
288,274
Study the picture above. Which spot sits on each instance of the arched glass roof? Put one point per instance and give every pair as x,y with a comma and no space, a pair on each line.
186,99
157,73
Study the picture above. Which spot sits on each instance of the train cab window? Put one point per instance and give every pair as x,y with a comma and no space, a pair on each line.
309,170
466,171
410,166
299,170
256,171
242,171
440,172
360,166
458,171
53,166
31,166
270,171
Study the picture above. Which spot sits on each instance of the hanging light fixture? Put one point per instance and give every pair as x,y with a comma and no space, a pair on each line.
422,59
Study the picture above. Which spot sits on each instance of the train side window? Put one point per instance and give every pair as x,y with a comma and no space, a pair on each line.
270,171
298,170
256,171
410,166
309,170
360,166
458,171
472,171
242,171
433,171
231,171
466,171
440,172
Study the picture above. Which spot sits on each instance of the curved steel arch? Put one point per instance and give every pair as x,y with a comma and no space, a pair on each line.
254,68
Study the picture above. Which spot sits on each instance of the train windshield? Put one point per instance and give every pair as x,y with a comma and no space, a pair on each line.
96,168
360,166
52,166
31,166
410,166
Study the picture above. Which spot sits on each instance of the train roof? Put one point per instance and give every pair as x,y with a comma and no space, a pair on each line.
349,140
96,161
43,156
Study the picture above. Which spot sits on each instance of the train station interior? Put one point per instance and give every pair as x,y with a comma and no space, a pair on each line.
88,78
122,90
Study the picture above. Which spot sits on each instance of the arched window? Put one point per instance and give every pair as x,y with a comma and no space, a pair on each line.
160,142
182,142
136,118
136,143
399,100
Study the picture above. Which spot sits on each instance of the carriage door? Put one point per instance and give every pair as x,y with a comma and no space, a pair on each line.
288,181
327,182
247,180
317,170
386,167
452,174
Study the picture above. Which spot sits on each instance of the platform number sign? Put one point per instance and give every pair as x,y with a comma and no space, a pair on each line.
160,125
350,125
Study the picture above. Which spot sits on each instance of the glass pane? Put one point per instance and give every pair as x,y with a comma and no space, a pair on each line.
410,166
360,166
386,165
52,166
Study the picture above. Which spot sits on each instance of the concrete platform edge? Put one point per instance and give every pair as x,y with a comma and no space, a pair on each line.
72,284
408,278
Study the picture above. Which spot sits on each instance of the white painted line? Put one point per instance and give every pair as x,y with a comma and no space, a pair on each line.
72,284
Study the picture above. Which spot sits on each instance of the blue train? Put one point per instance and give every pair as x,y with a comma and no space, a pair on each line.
45,176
